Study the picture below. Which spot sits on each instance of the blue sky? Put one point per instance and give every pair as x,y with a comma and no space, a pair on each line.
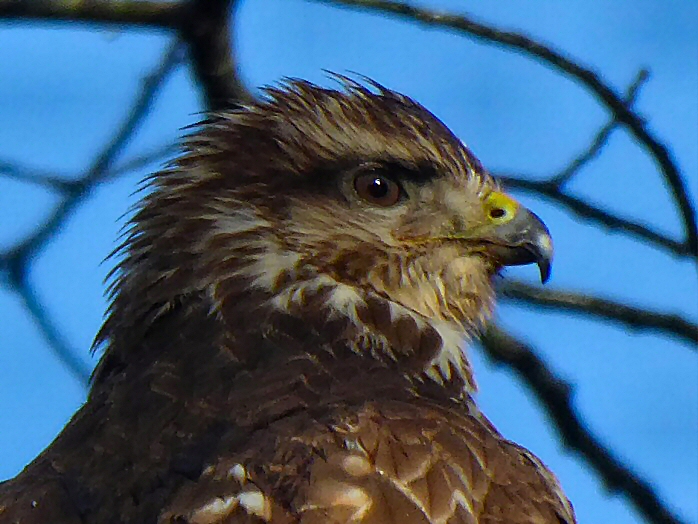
64,89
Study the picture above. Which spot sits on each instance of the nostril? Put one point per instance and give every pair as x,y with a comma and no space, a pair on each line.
497,212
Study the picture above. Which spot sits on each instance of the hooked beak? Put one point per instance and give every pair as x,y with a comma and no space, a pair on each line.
523,240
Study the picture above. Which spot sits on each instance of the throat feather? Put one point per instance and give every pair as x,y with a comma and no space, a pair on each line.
415,325
372,325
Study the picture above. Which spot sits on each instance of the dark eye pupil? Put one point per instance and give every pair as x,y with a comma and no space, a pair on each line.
378,188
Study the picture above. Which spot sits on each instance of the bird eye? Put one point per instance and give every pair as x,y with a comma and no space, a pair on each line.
377,189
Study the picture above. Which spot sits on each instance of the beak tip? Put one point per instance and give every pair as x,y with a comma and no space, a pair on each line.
545,269
545,255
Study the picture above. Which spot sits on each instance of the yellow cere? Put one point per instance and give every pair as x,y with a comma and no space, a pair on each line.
500,208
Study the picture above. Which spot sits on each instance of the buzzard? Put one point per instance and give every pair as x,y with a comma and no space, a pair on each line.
284,340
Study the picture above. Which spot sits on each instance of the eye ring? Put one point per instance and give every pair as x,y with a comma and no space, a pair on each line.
377,189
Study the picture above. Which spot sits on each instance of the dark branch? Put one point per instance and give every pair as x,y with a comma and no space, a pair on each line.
630,316
586,77
203,24
17,260
601,137
134,13
157,154
99,171
591,213
209,37
150,87
48,179
553,188
555,396
19,283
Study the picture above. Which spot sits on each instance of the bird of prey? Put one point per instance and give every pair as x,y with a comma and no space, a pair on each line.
285,337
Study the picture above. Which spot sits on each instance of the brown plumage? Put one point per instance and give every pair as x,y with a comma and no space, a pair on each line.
284,342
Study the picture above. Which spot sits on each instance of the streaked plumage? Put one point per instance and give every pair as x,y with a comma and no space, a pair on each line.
285,340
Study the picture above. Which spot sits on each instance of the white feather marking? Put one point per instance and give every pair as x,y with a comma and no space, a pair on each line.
329,494
458,497
452,352
344,300
409,494
239,473
397,312
214,511
267,268
341,494
274,259
355,497
255,503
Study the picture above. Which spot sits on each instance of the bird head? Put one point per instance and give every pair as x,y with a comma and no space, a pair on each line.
336,197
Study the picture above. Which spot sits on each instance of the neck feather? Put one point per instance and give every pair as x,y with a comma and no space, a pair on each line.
263,291
321,314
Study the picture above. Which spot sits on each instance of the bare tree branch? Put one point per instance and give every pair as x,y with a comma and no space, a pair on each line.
588,78
601,137
99,171
19,283
134,13
157,154
555,396
630,316
209,37
553,189
16,261
203,24
591,213
48,179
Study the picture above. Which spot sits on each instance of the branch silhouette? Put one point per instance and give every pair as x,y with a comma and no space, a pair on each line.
126,13
641,319
593,214
602,136
17,260
555,397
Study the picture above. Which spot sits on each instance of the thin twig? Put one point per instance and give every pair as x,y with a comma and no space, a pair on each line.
16,261
629,316
203,24
19,283
99,171
132,13
48,179
591,213
585,76
555,396
156,154
601,137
